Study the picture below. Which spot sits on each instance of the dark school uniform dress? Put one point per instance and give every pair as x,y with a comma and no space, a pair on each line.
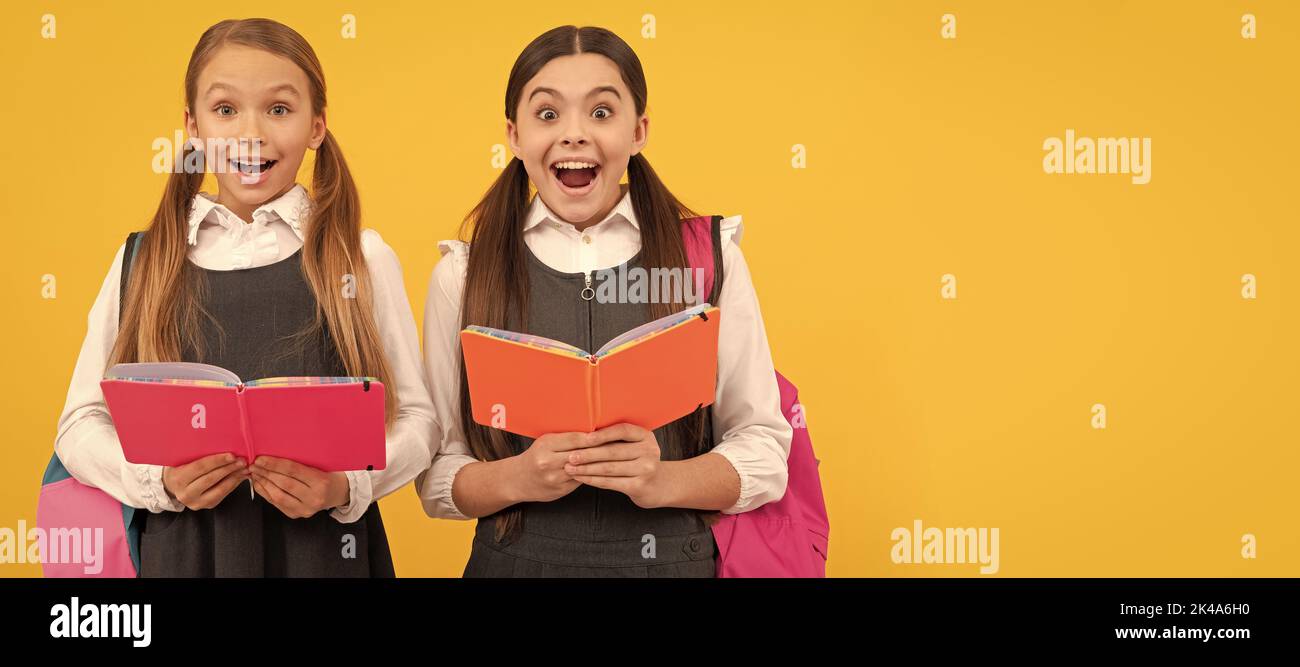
258,309
591,532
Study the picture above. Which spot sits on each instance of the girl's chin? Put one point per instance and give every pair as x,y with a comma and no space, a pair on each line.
255,191
581,209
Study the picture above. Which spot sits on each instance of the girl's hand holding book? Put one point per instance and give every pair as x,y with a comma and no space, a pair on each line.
624,458
539,470
297,490
204,483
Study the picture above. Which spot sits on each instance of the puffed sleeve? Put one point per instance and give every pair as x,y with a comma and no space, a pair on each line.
86,441
749,428
442,363
413,429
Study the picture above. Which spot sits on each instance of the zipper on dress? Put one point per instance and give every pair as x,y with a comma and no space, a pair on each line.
587,295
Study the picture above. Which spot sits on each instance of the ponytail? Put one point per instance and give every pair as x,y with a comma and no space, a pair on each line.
333,261
660,215
495,295
162,304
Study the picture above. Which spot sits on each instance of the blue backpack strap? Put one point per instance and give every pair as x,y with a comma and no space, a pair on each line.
128,255
129,516
54,471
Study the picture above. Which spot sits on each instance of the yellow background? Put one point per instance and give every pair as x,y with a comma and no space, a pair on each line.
923,158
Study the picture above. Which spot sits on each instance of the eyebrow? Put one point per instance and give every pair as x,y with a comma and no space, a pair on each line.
284,87
593,93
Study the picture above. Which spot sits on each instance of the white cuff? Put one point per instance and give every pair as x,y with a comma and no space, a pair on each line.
436,491
152,490
360,495
760,482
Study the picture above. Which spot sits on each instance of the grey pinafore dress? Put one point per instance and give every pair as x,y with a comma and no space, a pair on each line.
249,537
591,532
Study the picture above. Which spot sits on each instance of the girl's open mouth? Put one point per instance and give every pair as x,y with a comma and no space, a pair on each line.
252,173
575,177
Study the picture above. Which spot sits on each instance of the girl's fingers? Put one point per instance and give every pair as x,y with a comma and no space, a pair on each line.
285,483
622,451
213,477
566,442
213,496
557,460
277,491
260,489
286,467
605,469
620,484
200,467
624,432
287,504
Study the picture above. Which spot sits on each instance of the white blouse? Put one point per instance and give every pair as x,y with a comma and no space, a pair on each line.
87,443
748,425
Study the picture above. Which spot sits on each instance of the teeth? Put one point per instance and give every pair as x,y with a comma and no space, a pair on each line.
251,166
575,165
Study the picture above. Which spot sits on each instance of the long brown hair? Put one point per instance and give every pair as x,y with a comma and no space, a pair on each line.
496,279
164,294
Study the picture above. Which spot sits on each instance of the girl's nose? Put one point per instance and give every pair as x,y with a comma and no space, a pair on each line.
250,133
575,134
252,143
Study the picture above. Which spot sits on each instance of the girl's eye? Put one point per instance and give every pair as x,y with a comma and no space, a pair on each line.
547,114
602,113
279,110
225,110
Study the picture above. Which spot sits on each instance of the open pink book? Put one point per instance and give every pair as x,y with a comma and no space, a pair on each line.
172,413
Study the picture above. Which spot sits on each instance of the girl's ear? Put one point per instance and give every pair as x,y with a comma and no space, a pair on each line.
192,128
640,134
512,137
317,131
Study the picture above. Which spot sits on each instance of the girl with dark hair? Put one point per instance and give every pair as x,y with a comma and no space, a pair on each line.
621,501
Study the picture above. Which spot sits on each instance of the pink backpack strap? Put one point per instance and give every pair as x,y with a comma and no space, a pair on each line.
783,538
702,237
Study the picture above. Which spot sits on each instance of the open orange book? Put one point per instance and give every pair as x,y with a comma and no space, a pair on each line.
650,376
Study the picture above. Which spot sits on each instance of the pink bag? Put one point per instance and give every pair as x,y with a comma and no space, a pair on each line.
788,537
73,516
77,520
